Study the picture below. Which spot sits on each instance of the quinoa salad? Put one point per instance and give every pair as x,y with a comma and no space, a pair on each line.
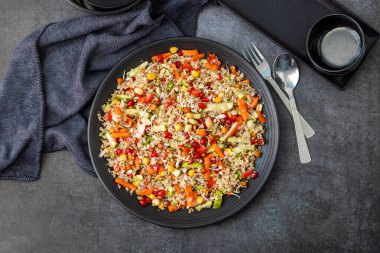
183,131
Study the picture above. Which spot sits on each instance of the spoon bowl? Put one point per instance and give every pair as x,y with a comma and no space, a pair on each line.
285,71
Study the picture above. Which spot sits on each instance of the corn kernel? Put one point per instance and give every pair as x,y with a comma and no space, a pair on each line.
191,173
130,157
171,168
145,160
178,127
135,183
161,206
190,115
106,150
150,76
151,196
162,173
195,73
115,101
173,50
184,89
238,85
123,157
227,151
217,99
199,200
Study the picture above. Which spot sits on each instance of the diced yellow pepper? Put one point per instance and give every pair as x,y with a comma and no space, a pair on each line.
191,173
171,168
151,196
173,50
178,127
150,76
145,160
123,157
195,73
115,101
199,200
217,100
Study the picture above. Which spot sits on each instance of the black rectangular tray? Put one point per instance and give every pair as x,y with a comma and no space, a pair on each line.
287,23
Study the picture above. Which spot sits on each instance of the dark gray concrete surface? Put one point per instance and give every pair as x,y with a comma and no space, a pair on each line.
329,205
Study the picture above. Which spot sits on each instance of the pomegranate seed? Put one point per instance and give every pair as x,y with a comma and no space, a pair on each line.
247,173
155,193
219,76
131,103
228,121
178,64
191,83
187,136
213,160
190,161
119,151
203,141
201,150
180,53
142,203
261,141
117,140
255,175
128,150
205,99
233,118
202,106
201,120
148,200
161,193
213,141
196,156
195,145
208,85
201,94
254,141
160,58
154,154
131,176
167,135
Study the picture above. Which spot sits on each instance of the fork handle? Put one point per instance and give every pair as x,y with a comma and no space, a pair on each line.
307,129
303,150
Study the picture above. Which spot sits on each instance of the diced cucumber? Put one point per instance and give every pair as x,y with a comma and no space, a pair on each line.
106,107
208,204
123,97
237,140
243,148
212,149
193,165
219,199
137,113
113,143
220,107
198,187
238,93
138,69
159,128
176,172
197,116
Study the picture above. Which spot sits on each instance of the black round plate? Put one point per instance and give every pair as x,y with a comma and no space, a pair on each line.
183,219
109,4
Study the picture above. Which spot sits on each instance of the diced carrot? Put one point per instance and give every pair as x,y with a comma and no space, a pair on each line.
218,150
233,70
197,57
177,189
116,168
175,70
146,191
165,55
224,129
119,80
188,190
243,183
254,103
246,81
234,128
210,66
125,184
207,161
186,110
137,163
172,208
201,132
117,110
190,52
120,135
243,109
261,117
151,171
257,153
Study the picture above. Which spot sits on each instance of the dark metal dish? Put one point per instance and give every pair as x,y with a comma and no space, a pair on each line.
183,219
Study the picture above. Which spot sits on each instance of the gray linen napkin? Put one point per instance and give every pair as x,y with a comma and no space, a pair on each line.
54,73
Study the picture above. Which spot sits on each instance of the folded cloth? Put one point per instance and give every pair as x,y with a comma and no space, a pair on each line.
54,73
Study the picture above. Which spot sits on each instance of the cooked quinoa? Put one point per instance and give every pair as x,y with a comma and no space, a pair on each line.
182,131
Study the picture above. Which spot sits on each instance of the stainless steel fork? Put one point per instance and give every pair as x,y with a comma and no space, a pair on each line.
264,69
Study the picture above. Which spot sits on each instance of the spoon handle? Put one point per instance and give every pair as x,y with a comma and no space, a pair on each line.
307,129
303,150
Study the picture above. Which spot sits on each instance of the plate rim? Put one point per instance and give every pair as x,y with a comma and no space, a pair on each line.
263,86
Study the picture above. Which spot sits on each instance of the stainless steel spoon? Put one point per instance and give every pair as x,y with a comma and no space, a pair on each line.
286,73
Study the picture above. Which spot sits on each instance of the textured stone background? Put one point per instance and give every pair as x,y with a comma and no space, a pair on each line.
331,204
